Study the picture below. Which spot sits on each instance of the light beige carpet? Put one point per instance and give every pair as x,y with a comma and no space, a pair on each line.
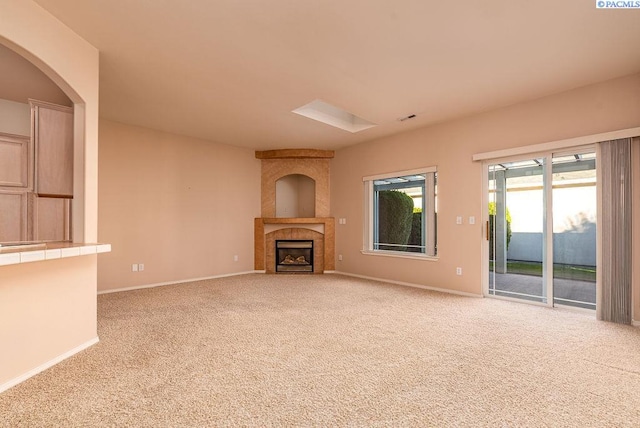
302,350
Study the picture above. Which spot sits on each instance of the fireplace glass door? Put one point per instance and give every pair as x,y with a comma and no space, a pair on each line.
294,256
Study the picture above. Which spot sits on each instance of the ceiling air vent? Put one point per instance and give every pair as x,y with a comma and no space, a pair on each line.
411,116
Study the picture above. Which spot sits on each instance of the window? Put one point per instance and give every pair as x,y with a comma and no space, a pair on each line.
401,213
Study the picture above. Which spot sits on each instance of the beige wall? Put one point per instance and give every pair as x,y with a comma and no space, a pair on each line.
48,308
38,325
599,108
181,206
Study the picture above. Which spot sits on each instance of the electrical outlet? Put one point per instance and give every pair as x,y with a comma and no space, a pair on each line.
458,271
134,267
339,257
235,258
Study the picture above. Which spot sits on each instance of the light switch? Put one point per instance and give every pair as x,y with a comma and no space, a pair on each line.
472,220
459,220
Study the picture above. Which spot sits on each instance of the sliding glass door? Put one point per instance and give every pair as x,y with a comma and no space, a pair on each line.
574,229
540,225
516,229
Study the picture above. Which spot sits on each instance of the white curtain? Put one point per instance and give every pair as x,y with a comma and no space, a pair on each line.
615,219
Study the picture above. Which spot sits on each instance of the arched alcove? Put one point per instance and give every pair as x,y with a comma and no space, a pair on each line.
30,77
277,164
295,196
31,102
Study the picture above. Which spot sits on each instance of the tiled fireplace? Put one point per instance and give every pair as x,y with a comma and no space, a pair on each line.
295,207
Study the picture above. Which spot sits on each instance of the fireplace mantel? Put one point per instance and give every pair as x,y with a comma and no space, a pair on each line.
296,220
295,154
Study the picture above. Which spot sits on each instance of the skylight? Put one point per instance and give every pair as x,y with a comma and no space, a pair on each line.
334,116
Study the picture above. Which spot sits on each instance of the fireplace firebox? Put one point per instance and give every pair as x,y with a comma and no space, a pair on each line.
294,256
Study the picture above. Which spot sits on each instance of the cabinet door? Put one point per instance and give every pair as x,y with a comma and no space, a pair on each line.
53,134
13,216
52,219
14,161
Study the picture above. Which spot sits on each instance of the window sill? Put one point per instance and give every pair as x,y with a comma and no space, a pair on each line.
12,255
397,254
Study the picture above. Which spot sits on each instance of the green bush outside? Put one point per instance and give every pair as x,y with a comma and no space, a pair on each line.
395,215
415,238
492,216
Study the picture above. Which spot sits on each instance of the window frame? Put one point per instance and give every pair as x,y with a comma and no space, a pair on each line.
428,210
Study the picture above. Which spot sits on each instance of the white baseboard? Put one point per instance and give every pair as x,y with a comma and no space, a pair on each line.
13,382
409,284
181,281
635,323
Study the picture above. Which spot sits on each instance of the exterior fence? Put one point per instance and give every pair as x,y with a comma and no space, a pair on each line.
571,248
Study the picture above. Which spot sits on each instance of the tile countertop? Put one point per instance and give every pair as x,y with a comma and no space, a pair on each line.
34,252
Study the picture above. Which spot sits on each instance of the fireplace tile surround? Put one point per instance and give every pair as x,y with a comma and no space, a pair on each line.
269,228
323,243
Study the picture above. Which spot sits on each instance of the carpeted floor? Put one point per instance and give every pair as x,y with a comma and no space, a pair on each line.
329,350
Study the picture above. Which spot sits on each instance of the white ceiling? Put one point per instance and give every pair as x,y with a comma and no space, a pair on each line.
231,71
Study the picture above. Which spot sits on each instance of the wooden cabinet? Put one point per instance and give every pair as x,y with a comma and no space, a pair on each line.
13,216
53,141
15,164
27,217
15,183
36,177
51,219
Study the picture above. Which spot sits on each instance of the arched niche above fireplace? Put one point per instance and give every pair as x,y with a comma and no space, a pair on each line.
277,164
295,196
